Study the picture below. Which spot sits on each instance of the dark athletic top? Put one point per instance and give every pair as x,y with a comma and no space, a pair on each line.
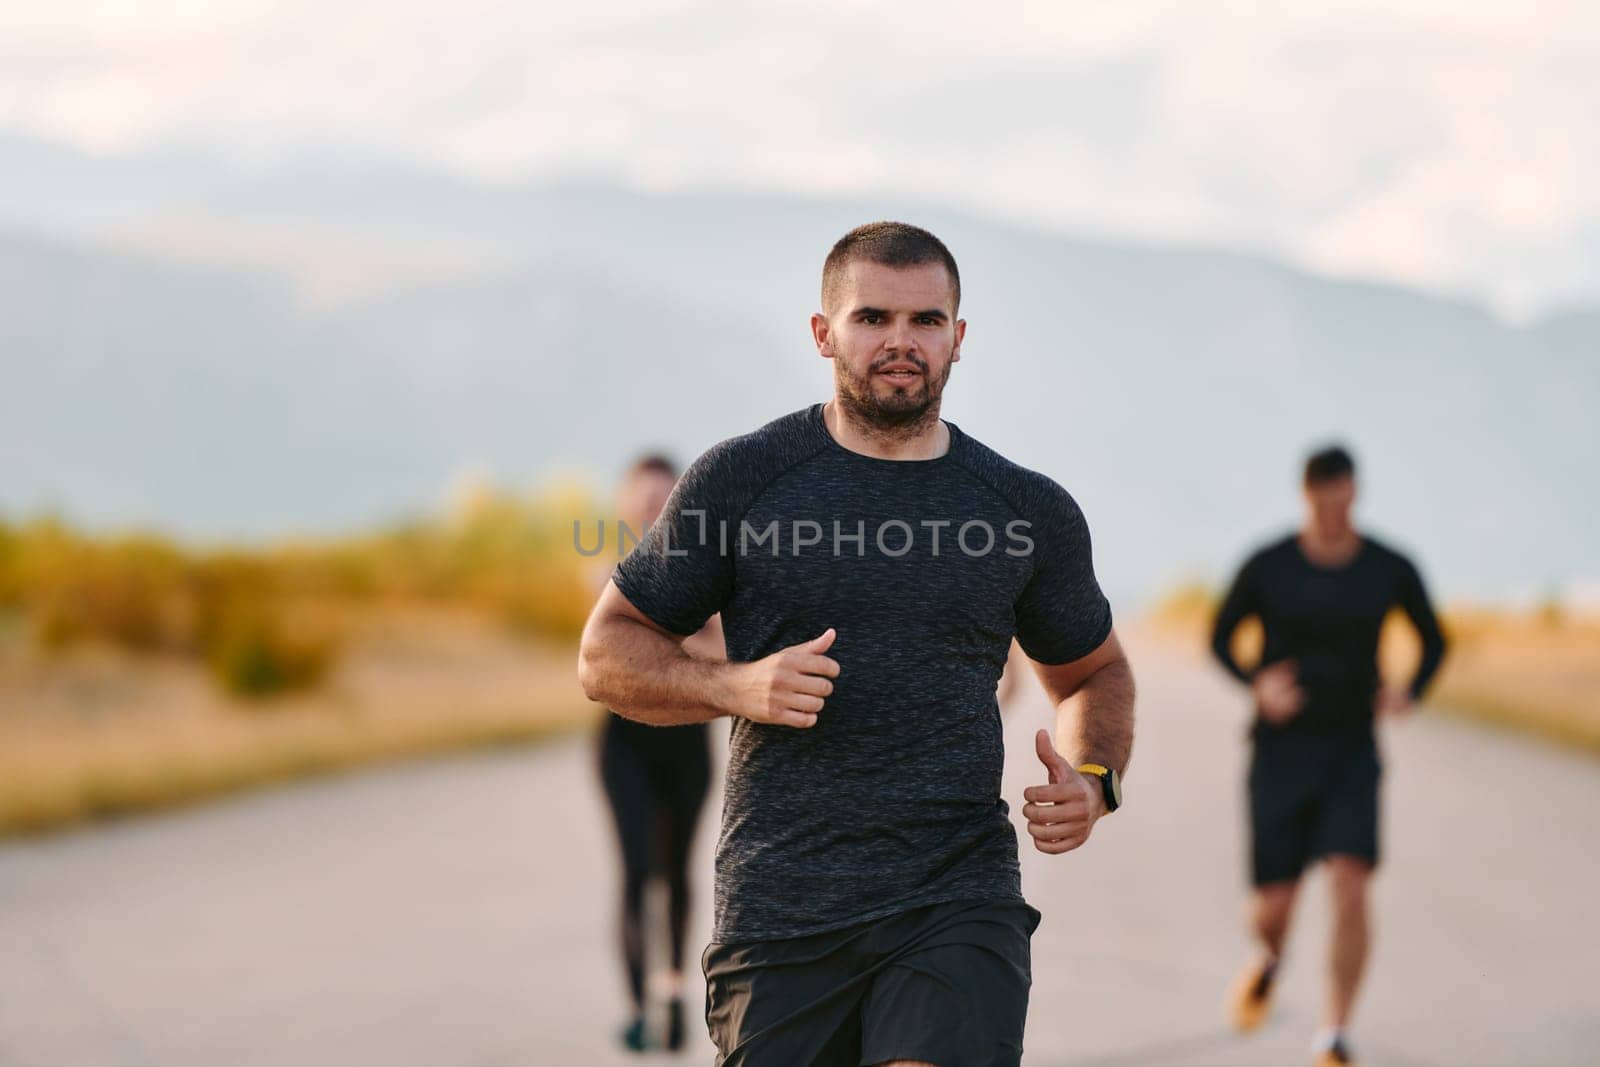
1327,620
926,569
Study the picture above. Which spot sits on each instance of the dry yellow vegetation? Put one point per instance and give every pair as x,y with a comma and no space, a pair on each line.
97,730
136,672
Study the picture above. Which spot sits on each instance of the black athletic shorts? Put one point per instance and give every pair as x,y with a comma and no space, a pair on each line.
946,983
1311,795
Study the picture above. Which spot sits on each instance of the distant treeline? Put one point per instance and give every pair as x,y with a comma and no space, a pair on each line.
269,619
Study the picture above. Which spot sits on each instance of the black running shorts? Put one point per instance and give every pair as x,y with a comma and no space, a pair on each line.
1312,795
946,983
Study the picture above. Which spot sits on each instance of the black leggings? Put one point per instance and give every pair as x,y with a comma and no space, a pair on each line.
655,779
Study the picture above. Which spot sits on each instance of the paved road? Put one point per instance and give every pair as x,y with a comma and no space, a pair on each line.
457,912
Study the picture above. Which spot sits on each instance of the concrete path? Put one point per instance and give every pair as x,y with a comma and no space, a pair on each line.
458,913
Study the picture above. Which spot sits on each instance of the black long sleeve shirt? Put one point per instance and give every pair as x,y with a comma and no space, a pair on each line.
1327,621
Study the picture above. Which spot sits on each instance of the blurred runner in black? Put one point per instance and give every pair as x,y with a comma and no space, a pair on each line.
872,563
1321,595
655,781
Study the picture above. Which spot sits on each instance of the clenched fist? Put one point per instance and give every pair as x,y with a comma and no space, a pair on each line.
1061,814
1279,697
1393,702
787,688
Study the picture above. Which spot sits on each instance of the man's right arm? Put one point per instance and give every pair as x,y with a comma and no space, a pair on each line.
1238,605
641,671
1274,686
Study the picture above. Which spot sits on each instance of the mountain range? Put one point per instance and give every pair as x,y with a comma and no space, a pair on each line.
226,351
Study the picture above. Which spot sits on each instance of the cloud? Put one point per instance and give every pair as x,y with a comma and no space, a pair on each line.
1440,144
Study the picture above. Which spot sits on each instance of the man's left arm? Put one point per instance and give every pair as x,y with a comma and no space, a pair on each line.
1093,698
1064,625
1414,601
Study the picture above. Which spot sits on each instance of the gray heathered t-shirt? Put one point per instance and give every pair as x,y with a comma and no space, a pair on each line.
926,568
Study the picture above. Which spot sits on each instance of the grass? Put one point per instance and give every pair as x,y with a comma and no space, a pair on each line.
138,673
264,620
99,731
1537,673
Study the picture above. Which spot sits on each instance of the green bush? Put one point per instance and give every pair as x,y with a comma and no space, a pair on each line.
256,656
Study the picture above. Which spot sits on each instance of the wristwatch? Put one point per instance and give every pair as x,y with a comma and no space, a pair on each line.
1110,784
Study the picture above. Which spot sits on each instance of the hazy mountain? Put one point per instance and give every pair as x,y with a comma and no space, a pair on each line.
1172,389
213,403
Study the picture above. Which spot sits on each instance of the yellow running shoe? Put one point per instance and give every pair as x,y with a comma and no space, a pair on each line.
1250,996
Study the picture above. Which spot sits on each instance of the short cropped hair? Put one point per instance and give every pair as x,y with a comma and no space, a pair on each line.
890,244
653,463
1329,464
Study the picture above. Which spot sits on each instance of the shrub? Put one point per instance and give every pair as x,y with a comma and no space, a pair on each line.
504,554
254,655
128,592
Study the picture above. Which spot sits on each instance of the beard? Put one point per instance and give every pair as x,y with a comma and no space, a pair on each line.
902,409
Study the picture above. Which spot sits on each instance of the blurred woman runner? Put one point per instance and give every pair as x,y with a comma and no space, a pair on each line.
655,780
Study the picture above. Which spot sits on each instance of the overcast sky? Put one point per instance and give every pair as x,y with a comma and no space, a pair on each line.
1442,143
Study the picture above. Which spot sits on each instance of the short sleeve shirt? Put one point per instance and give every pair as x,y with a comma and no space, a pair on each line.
926,569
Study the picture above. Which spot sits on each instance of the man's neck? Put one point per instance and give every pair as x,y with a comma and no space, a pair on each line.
1329,548
928,439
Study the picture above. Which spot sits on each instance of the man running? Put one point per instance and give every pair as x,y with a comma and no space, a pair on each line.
872,563
1321,595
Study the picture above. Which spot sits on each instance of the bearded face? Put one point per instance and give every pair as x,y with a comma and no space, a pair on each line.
893,336
896,392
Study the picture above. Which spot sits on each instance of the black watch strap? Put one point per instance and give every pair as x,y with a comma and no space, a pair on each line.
1110,784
